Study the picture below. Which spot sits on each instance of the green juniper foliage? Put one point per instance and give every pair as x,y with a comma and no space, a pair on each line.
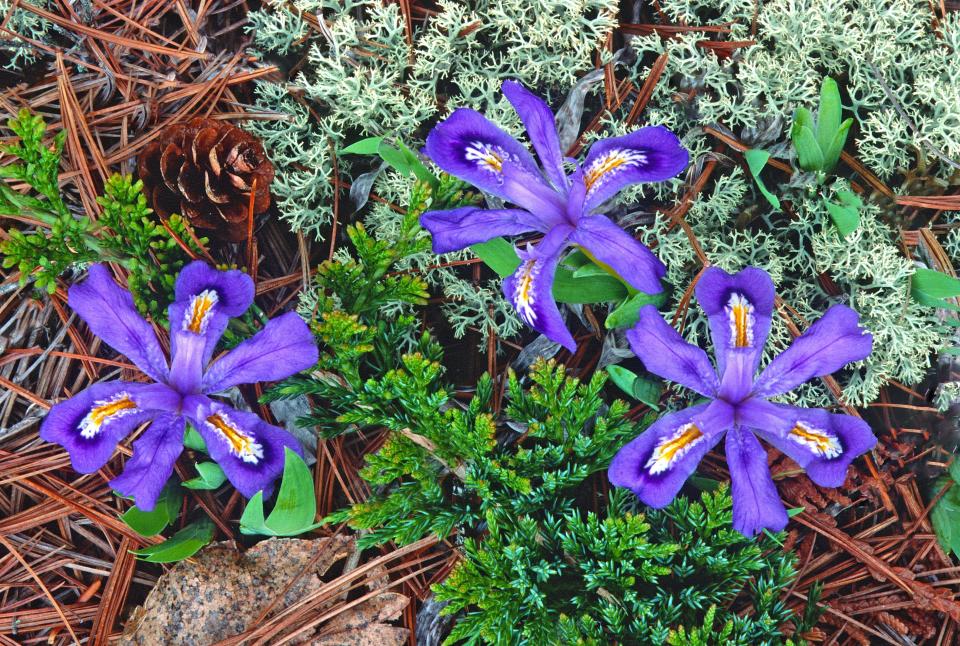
360,309
147,248
125,231
679,576
449,467
60,239
538,568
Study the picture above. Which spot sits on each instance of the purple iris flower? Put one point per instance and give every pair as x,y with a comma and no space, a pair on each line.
560,206
739,308
91,423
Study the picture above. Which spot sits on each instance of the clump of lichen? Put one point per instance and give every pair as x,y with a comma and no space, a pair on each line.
876,48
365,75
16,52
885,55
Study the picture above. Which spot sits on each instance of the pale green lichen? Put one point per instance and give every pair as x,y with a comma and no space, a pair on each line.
18,51
361,77
873,47
898,78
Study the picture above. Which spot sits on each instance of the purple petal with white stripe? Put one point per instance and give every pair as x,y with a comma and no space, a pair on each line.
822,443
530,288
110,314
205,299
651,154
739,308
756,503
250,451
832,342
657,463
665,353
468,146
233,288
91,423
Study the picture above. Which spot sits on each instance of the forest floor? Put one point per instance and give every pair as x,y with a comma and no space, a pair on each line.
66,569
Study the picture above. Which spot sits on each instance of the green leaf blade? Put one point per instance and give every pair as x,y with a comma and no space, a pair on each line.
184,544
756,160
809,154
828,114
368,146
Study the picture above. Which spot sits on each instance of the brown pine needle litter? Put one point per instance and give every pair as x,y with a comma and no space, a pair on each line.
66,570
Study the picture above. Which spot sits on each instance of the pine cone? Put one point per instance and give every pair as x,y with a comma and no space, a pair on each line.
205,170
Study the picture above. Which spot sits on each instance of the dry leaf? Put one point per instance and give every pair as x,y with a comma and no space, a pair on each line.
221,592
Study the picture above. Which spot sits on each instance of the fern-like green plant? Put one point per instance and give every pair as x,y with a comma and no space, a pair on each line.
60,239
124,233
152,252
679,576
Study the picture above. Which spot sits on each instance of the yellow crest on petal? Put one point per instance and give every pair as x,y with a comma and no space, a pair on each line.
105,410
608,163
820,442
673,447
741,319
241,444
200,311
485,156
524,293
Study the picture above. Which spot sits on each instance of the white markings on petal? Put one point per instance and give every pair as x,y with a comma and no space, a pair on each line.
105,410
525,295
200,311
486,156
241,444
673,447
820,442
741,319
609,164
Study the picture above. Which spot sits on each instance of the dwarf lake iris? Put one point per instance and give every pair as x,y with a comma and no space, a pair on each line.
548,200
91,423
739,308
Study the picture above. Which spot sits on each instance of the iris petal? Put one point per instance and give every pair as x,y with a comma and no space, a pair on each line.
249,450
664,352
739,308
468,146
832,342
154,455
541,127
756,503
283,347
657,463
204,301
459,228
111,315
91,423
530,288
822,443
650,154
629,258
